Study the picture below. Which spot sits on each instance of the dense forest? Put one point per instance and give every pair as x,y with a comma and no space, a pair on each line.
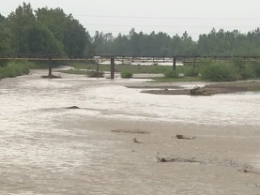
42,32
51,32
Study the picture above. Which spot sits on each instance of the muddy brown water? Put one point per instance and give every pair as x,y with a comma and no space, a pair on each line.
48,150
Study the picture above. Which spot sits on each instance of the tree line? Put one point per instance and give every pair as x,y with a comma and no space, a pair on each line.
161,44
43,32
52,32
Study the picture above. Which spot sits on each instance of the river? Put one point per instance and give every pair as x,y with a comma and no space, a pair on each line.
47,149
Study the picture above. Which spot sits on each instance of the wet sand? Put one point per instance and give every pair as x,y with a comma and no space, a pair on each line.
47,149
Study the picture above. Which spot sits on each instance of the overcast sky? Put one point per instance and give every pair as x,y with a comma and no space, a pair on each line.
171,16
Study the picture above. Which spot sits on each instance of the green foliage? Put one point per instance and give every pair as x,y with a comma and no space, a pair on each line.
53,32
238,63
49,32
161,44
14,69
236,69
3,63
18,23
2,18
256,69
218,72
244,71
66,30
42,41
126,74
5,40
171,74
191,72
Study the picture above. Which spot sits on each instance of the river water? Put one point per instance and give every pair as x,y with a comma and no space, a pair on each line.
46,149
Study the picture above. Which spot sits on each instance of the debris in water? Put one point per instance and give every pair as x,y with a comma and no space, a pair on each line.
136,131
136,141
169,159
184,137
73,107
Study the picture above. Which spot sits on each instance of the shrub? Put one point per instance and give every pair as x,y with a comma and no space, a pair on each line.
3,63
126,75
256,70
192,73
238,63
171,74
12,69
246,73
219,72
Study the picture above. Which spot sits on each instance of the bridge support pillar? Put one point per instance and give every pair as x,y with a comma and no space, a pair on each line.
97,68
174,64
50,67
112,69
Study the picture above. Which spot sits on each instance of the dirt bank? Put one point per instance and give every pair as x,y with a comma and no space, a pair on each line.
211,89
167,92
154,87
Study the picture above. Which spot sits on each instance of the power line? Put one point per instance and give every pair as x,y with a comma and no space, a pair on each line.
174,18
133,25
156,17
196,33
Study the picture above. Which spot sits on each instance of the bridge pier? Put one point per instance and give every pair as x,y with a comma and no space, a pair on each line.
112,69
50,68
97,69
174,64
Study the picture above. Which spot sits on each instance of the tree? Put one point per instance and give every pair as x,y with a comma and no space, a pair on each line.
2,18
19,22
5,48
67,30
76,39
41,41
54,19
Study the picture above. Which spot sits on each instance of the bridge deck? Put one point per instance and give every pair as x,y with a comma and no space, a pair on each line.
155,59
